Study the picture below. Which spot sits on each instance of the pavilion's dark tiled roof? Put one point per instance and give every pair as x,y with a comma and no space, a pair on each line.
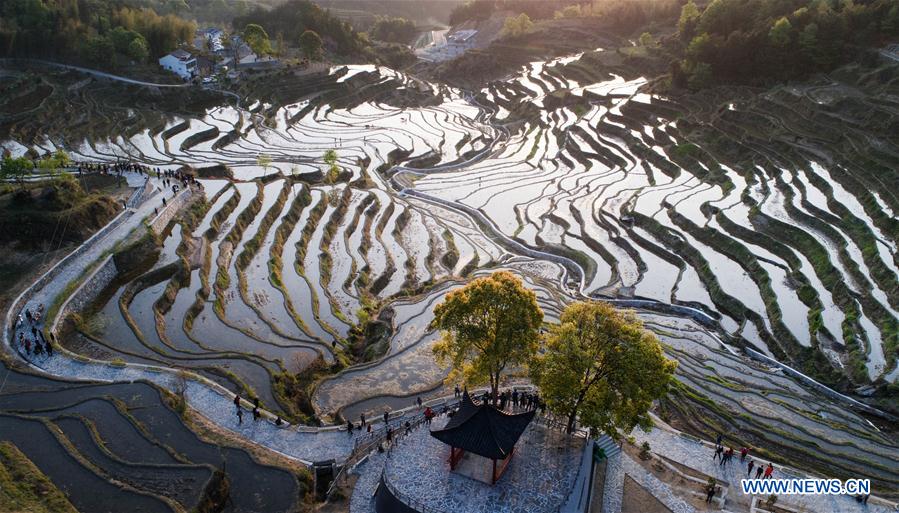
483,430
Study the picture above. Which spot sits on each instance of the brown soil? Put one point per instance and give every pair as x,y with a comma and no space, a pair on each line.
637,500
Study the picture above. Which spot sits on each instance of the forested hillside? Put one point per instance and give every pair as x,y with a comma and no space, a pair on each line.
98,32
763,41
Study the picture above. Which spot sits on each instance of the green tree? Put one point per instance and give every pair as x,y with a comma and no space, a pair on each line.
311,45
646,40
689,18
330,158
138,50
487,327
517,25
15,169
808,43
257,38
600,366
781,32
264,161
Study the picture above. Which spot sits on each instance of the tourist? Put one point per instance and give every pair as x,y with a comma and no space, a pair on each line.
418,401
428,415
515,399
256,402
718,440
389,435
349,427
28,314
408,427
769,471
718,453
724,457
865,499
456,392
239,415
386,416
256,414
28,345
758,471
709,494
237,400
362,419
38,348
750,465
278,421
743,452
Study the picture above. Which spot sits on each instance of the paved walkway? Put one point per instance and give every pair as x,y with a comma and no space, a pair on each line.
698,456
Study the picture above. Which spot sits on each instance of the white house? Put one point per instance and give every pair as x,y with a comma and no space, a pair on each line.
180,62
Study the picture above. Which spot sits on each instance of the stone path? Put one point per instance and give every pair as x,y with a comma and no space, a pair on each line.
698,456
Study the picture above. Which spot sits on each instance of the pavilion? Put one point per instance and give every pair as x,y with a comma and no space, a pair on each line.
479,432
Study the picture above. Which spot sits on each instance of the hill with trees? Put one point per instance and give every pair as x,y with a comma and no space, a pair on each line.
103,34
291,19
762,41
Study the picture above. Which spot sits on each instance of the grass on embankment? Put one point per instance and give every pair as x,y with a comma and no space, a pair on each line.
23,487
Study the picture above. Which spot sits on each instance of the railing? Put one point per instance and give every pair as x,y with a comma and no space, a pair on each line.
365,444
412,502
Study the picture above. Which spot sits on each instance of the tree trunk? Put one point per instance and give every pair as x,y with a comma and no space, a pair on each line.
572,417
494,388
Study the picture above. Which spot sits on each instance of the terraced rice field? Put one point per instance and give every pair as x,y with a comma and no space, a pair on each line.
769,213
119,447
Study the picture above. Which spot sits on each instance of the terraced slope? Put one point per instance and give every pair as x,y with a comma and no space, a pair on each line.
117,447
771,212
769,218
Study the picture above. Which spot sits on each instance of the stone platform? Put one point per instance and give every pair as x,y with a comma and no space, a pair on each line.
539,478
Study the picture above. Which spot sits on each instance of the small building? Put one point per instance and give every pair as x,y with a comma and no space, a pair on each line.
180,62
210,36
482,439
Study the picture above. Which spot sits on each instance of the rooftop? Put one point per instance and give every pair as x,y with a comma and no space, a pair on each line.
484,430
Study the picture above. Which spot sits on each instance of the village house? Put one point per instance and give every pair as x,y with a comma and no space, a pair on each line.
180,62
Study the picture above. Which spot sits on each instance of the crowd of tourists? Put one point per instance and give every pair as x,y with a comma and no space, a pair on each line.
31,342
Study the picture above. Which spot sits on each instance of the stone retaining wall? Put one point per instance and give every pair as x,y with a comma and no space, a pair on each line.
158,224
829,392
89,289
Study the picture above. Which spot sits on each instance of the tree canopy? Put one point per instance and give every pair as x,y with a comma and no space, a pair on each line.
101,33
15,168
600,367
759,41
311,45
393,30
294,17
515,26
257,38
487,327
